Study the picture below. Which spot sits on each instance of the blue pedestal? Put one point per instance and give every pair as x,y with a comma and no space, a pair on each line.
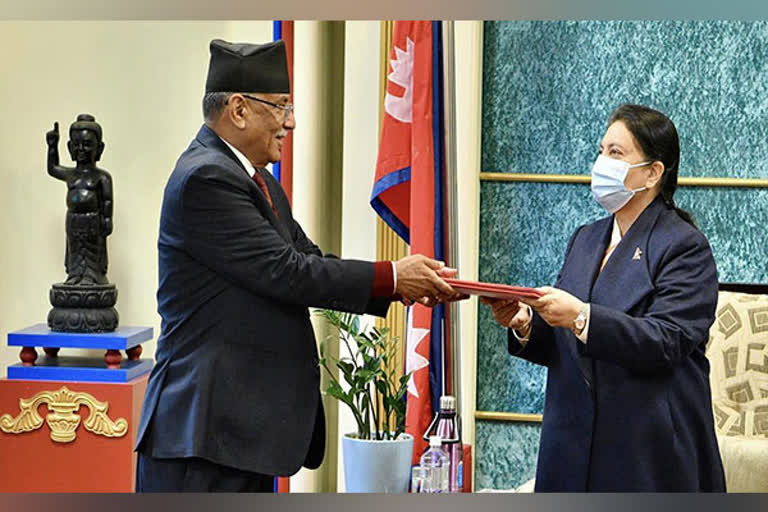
80,369
39,335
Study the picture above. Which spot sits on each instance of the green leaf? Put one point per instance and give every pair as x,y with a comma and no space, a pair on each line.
364,376
351,380
335,391
346,367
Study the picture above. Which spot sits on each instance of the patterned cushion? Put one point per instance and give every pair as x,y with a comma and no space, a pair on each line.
738,354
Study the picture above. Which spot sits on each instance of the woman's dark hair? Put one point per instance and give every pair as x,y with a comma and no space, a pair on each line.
657,137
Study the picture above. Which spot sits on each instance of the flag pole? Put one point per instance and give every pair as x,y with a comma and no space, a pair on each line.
452,249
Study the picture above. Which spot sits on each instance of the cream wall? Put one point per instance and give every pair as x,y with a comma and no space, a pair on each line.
469,80
143,81
317,188
361,136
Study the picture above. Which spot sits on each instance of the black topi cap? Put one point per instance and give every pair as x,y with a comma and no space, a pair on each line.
244,67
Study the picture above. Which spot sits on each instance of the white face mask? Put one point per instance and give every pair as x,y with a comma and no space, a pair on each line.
608,175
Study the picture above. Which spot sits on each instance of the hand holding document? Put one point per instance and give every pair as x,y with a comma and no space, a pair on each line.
431,302
510,313
423,280
504,300
555,306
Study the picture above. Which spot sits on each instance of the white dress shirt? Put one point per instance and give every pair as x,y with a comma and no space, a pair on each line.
249,168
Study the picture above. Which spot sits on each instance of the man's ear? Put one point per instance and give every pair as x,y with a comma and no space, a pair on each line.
236,110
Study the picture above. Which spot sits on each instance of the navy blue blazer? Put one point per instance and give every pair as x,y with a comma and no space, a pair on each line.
631,409
237,377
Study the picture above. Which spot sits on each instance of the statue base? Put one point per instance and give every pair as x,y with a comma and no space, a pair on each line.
87,296
83,320
83,308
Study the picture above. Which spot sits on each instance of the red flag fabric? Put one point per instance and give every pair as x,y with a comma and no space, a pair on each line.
407,195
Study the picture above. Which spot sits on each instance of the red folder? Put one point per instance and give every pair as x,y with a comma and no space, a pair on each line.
496,291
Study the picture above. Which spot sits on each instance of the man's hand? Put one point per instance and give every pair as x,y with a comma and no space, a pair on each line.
431,302
419,279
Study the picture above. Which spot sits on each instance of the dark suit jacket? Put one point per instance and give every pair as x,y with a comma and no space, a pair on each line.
237,377
631,410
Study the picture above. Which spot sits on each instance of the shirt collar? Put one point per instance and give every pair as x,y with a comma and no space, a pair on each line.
249,168
615,234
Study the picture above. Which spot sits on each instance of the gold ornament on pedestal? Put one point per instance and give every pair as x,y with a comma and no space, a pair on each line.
62,418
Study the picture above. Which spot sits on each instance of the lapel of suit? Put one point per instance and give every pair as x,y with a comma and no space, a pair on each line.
210,139
279,223
579,274
625,279
584,259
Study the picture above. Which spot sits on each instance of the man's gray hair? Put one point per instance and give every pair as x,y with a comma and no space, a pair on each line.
213,104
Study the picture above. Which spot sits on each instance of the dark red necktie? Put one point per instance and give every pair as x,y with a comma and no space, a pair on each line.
259,179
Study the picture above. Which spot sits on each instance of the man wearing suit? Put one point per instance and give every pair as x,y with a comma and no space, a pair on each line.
234,397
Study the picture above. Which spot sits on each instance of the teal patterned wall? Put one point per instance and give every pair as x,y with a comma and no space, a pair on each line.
548,89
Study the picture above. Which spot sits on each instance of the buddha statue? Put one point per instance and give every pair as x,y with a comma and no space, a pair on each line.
84,302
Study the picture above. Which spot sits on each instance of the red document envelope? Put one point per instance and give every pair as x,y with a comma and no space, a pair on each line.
496,291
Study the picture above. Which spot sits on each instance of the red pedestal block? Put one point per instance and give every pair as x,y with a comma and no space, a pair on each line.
81,458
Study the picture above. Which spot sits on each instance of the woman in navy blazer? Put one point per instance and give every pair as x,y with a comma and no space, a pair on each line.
624,331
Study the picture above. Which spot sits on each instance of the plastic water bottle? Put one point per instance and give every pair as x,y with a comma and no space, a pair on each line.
436,466
446,426
417,479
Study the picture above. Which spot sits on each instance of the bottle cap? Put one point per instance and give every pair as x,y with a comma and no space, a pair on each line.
448,402
435,441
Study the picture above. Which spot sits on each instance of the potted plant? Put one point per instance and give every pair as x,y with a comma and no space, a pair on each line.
377,458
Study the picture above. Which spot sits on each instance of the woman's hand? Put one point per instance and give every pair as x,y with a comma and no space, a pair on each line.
508,313
557,307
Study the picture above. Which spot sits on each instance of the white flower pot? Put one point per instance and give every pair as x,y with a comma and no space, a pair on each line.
377,466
